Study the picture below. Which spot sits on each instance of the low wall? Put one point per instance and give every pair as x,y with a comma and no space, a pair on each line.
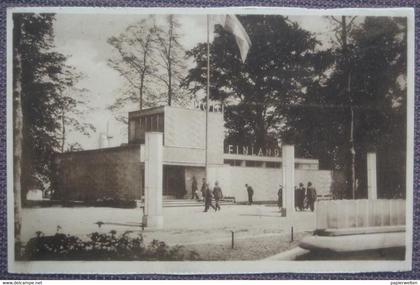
104,173
336,214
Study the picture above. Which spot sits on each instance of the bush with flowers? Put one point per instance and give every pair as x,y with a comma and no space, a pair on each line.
102,246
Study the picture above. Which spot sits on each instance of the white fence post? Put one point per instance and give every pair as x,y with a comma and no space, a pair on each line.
371,176
153,168
288,168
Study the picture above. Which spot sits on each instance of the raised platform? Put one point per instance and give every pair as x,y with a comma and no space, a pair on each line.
355,240
360,231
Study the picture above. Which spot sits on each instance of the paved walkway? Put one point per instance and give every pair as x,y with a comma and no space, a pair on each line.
182,225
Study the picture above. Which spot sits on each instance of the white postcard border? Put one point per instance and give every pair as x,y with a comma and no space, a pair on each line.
217,267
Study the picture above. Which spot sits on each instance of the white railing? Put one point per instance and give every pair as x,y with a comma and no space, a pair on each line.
337,214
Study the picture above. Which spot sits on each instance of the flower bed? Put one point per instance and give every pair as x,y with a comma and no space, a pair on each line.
102,246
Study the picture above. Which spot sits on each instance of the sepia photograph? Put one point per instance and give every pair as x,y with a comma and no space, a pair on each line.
234,140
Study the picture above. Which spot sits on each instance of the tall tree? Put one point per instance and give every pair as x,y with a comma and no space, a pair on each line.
322,125
171,58
17,132
149,57
379,83
43,77
279,67
134,62
73,107
343,30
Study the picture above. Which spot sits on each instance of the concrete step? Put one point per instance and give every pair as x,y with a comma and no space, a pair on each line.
185,203
190,203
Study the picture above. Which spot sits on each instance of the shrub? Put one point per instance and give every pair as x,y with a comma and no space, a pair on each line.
102,202
102,246
112,202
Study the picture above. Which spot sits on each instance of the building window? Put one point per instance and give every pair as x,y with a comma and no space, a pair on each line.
273,164
132,130
238,162
251,163
141,122
148,123
233,162
229,161
161,122
137,129
153,123
299,166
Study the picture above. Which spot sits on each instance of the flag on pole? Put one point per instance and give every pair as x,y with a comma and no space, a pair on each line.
232,24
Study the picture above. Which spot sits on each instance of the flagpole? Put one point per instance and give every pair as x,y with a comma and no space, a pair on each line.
207,96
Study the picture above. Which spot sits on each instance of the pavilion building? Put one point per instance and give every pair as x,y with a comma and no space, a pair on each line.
125,172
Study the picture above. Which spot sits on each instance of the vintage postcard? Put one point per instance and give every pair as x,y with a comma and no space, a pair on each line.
203,141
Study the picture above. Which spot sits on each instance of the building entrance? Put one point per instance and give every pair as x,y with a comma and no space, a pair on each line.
174,182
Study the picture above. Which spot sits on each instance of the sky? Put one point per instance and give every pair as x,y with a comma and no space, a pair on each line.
83,38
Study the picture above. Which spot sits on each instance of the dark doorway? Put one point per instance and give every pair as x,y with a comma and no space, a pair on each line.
174,181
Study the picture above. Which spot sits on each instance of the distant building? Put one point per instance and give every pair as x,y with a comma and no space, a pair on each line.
118,172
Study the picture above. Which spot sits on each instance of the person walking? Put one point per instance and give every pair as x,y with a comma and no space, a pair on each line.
311,191
208,196
280,197
250,193
203,189
301,197
218,195
194,189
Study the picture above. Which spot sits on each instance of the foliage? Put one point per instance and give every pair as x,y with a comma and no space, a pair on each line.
102,246
150,59
320,127
103,202
112,202
171,54
45,104
74,105
279,68
290,91
133,61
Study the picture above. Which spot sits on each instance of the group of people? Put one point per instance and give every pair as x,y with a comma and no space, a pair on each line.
216,193
305,197
207,194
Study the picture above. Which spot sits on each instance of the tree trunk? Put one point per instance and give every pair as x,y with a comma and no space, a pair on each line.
169,83
260,131
171,27
352,150
141,89
17,135
145,69
63,131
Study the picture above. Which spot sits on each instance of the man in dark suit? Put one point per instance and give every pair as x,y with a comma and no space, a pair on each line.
194,189
203,189
280,197
218,195
301,197
208,196
250,193
311,196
